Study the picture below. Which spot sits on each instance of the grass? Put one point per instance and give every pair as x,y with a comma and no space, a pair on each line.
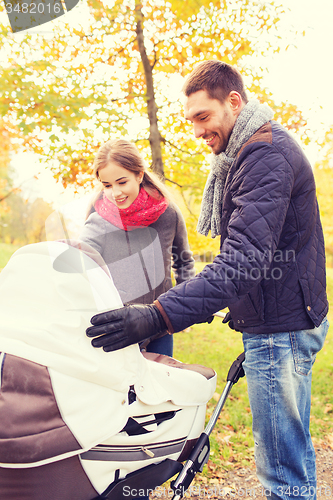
322,383
6,251
217,346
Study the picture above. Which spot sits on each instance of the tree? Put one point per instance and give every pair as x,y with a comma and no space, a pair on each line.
70,92
7,146
24,221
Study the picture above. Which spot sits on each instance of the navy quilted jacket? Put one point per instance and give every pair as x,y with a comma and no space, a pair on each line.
270,272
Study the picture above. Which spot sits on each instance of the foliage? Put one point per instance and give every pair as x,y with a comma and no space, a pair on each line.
121,74
8,145
91,83
24,221
20,221
323,172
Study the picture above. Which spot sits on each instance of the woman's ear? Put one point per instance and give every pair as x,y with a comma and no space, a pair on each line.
140,177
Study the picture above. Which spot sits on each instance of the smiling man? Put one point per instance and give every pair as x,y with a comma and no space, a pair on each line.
212,120
260,198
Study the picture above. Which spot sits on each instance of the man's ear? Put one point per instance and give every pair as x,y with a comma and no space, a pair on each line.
236,102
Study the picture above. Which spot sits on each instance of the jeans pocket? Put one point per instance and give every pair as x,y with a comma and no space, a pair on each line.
306,344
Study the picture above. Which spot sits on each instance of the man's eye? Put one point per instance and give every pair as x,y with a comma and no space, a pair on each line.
203,118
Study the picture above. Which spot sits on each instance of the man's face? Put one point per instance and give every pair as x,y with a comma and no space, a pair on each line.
212,120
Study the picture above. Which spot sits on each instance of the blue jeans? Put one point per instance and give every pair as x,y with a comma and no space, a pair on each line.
278,369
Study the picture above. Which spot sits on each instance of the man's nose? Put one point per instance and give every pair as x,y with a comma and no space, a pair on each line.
198,130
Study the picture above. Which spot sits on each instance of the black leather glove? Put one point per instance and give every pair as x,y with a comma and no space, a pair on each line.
228,319
207,320
126,326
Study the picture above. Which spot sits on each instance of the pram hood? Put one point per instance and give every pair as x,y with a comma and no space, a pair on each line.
49,291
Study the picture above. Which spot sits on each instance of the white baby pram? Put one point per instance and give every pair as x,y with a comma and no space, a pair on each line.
121,422
144,480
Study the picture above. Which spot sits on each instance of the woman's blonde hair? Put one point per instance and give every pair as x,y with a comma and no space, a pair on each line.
126,154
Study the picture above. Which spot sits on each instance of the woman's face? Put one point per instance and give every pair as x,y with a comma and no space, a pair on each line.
121,186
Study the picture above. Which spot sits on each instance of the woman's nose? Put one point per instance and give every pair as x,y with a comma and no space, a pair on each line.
116,191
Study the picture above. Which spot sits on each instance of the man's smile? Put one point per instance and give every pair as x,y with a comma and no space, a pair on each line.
209,140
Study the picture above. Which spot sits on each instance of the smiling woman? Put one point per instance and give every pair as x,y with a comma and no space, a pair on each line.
139,232
121,186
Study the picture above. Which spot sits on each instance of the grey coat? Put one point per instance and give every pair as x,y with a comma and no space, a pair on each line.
140,260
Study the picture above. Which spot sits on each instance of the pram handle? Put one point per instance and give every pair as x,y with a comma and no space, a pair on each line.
220,314
200,453
236,370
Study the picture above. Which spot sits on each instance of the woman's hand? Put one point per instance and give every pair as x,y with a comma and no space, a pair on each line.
125,326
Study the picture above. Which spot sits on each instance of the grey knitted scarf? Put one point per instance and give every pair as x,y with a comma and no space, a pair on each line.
253,116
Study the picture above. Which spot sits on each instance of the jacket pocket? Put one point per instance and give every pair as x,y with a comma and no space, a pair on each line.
249,310
314,304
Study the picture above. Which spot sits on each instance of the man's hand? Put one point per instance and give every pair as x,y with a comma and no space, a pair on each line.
207,320
228,319
122,327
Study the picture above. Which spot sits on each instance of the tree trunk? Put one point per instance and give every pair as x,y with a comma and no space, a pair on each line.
154,134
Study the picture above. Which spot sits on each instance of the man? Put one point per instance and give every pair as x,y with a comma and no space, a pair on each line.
260,198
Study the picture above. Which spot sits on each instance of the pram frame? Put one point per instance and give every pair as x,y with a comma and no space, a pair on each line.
148,478
200,453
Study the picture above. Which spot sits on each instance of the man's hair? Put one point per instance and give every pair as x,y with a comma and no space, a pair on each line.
217,78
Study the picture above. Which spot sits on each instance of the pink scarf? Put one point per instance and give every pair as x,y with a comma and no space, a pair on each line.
144,211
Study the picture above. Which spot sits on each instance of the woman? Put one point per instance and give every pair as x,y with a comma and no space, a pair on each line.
137,230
